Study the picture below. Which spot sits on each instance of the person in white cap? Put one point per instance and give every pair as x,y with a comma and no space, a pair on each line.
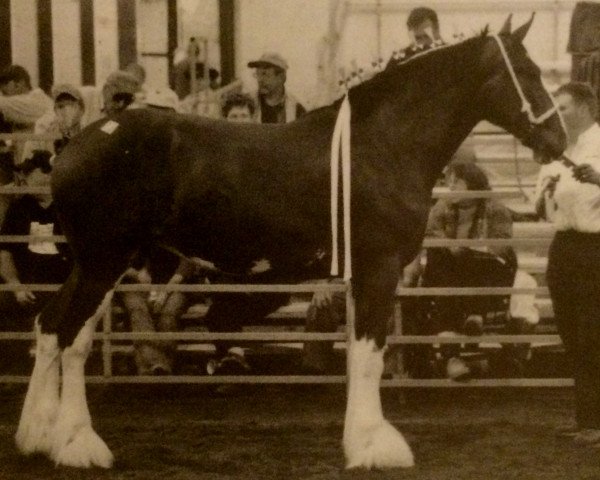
64,121
162,99
275,104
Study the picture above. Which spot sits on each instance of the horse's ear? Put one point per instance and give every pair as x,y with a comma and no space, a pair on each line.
519,33
505,30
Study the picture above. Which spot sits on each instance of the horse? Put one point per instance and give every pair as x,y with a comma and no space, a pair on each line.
235,194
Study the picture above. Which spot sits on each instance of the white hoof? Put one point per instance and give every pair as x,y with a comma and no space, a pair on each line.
83,449
36,425
380,447
34,434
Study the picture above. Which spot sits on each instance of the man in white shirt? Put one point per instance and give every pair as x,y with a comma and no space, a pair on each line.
20,104
572,191
20,107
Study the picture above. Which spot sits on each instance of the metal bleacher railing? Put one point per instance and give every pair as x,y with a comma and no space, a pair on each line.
107,337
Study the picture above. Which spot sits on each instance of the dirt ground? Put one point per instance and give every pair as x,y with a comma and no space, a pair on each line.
294,432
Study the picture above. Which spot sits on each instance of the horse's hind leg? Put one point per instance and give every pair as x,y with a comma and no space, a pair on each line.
370,441
74,442
42,400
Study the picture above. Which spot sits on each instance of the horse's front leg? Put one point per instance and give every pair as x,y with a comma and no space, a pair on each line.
370,441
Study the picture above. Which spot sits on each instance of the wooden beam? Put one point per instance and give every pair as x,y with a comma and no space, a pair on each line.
404,6
45,57
126,26
227,40
88,53
5,35
171,36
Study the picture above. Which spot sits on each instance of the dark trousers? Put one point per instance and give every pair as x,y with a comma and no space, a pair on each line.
471,268
574,281
229,312
14,354
432,315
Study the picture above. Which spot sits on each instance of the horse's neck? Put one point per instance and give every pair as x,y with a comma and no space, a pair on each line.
432,135
425,113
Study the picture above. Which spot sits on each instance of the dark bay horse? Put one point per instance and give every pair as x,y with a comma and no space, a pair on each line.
235,194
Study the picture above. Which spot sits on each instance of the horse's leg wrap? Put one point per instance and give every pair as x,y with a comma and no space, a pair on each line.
41,402
370,441
75,443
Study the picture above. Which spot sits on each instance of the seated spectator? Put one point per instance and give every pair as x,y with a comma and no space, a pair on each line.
119,92
467,266
64,121
162,99
239,107
21,106
230,357
275,103
37,261
157,311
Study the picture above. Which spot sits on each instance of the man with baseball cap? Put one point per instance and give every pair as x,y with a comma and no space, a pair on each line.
119,92
275,105
64,121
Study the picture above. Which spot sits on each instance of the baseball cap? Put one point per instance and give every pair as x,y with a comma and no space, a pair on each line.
120,82
66,90
162,98
269,60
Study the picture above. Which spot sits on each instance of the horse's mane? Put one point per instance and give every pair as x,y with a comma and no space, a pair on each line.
450,58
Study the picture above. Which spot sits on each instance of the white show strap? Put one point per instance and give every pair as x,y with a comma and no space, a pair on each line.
341,141
525,105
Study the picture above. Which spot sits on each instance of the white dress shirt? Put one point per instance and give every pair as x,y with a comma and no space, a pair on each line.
577,203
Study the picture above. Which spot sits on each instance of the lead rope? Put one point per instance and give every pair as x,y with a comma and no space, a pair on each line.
525,105
340,141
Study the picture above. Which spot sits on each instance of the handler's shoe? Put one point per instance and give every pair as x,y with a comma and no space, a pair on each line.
587,436
230,364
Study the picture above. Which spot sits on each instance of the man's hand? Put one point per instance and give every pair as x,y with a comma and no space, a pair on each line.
321,299
25,297
585,173
159,301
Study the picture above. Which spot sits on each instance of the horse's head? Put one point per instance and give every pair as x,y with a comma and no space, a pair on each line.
513,96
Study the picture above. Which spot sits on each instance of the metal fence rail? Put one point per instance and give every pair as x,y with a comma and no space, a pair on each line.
107,336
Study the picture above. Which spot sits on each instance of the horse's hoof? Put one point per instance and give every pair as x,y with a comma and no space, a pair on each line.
84,449
34,434
377,447
34,438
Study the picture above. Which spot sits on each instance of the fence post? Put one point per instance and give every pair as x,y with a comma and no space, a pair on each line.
106,343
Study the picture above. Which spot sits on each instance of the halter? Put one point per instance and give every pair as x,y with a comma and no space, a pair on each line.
525,105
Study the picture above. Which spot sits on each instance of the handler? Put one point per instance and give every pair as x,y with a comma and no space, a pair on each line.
574,259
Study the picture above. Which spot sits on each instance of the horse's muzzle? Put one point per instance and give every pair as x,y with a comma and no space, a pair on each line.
546,142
